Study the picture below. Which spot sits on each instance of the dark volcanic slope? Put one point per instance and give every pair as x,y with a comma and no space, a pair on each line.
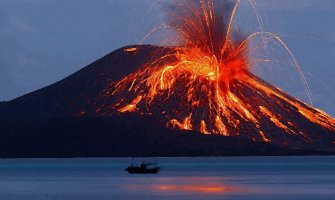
114,137
61,120
79,92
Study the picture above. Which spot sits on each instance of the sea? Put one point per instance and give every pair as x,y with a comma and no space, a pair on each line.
205,178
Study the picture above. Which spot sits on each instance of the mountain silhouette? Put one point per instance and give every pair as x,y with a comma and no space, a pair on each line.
74,117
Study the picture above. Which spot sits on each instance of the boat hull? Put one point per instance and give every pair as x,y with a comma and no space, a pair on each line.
138,170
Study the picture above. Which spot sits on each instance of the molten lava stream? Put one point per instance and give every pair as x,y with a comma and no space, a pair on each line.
206,83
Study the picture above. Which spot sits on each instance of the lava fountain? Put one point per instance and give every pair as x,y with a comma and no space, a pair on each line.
205,84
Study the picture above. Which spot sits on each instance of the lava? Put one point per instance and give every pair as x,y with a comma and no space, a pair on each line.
204,83
132,106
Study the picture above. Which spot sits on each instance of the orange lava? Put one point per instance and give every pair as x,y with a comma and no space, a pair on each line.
202,74
132,106
131,49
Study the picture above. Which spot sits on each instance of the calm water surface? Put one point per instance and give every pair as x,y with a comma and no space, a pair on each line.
181,178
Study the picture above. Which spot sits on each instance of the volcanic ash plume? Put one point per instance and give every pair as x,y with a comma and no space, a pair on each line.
205,84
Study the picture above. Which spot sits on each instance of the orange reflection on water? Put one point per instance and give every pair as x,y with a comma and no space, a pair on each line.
197,185
210,189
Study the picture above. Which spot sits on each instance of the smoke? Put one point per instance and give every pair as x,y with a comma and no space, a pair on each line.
201,22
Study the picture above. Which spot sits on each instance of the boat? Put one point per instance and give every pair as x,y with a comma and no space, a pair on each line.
144,168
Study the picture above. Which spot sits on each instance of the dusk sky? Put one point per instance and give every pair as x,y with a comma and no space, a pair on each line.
43,41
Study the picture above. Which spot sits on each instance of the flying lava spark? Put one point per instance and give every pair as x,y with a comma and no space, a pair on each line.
206,84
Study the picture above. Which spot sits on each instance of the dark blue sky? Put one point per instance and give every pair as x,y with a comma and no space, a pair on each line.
43,41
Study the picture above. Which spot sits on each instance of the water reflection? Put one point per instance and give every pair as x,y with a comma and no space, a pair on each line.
198,185
214,189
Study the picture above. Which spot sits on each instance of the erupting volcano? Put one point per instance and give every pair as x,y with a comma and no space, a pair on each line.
203,85
206,84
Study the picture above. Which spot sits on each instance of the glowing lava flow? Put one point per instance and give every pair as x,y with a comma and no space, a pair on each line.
199,86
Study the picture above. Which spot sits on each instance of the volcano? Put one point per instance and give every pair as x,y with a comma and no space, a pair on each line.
78,116
199,97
